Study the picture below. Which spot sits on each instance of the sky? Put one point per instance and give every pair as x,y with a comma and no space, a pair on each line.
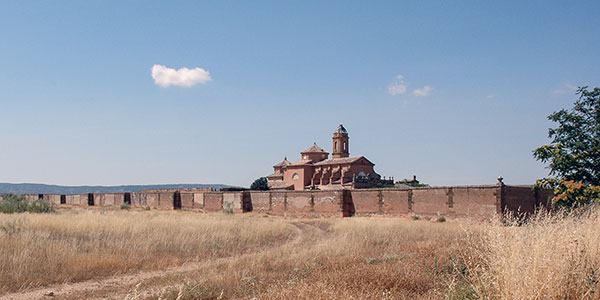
149,92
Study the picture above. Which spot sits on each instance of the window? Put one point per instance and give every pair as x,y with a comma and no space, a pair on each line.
335,147
295,176
344,146
305,157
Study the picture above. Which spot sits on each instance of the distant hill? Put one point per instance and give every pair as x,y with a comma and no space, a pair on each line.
36,188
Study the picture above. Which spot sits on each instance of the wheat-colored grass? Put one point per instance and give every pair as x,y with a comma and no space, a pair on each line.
75,245
551,257
355,258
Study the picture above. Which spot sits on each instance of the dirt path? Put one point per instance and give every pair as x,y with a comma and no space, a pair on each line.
114,285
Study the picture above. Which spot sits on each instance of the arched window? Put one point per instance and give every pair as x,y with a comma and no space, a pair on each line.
344,146
362,174
295,176
335,147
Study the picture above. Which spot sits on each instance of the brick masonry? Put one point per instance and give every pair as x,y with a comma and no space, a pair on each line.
475,202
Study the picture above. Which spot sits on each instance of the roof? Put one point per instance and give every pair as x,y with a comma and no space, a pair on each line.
343,160
277,185
283,163
275,175
341,129
301,163
314,149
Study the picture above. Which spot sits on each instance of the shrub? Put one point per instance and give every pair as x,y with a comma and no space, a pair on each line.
40,206
228,210
125,206
11,204
441,219
416,217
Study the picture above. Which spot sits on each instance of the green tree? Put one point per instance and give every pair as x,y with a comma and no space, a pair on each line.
260,184
573,156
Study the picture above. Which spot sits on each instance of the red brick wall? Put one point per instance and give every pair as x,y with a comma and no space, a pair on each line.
198,201
119,198
233,201
518,200
328,203
278,203
479,202
476,202
394,202
366,202
165,200
187,200
55,199
299,203
260,201
213,201
430,201
107,199
152,200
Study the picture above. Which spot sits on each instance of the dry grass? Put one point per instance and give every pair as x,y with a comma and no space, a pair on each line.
552,257
356,258
75,245
278,258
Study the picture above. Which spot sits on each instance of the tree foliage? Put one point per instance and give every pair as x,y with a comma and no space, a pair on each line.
260,184
573,156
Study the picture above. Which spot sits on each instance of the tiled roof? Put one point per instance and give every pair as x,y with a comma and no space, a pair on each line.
280,185
302,163
314,149
343,160
283,163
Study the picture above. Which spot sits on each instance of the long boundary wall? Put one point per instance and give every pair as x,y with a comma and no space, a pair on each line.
475,202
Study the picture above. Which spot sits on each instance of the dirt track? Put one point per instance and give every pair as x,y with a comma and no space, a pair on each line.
125,286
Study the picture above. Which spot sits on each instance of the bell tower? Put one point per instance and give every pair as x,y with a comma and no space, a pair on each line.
340,143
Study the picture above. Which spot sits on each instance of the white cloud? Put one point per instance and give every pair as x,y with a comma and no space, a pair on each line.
425,91
397,88
165,76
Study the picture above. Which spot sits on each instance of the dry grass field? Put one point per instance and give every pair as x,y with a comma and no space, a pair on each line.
97,254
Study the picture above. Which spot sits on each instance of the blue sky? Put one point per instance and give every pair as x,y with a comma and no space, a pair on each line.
478,78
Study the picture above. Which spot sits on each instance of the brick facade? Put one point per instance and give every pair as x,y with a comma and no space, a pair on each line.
316,170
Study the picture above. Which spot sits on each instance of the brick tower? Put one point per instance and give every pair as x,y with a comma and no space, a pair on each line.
340,143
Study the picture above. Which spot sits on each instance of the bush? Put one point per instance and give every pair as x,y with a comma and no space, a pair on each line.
40,207
441,219
228,210
11,204
416,217
125,206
